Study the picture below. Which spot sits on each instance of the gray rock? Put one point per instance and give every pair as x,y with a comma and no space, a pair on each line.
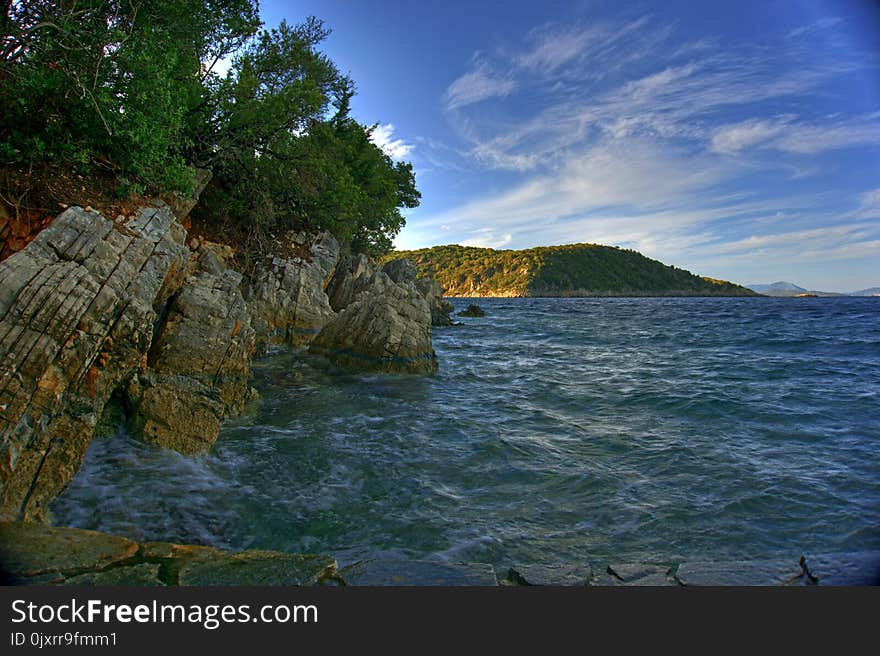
286,296
400,270
387,328
198,364
418,573
440,308
77,310
352,276
751,573
549,575
642,574
258,568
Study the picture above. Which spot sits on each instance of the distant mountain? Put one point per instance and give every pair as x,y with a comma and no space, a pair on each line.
789,289
780,288
571,270
871,291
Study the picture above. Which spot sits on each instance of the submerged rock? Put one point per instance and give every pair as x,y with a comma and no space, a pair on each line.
472,310
405,573
286,296
386,328
78,307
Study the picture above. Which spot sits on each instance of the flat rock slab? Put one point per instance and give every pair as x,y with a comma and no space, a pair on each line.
549,575
418,573
31,550
35,554
257,568
861,568
750,573
141,574
647,574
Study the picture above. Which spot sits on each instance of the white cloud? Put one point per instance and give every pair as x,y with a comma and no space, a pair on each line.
625,145
784,135
811,139
477,85
730,139
818,26
637,173
553,48
486,238
869,205
383,136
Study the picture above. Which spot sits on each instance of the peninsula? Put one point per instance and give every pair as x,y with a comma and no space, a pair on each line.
558,271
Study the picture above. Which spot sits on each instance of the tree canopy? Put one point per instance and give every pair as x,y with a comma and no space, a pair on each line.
131,87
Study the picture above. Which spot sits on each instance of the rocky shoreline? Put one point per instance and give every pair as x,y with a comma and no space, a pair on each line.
131,317
35,554
129,320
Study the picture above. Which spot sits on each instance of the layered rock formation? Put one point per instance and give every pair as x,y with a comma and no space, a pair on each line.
32,554
78,307
93,309
199,361
387,327
403,270
352,276
286,294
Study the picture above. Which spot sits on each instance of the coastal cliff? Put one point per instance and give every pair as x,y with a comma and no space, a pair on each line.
560,271
128,317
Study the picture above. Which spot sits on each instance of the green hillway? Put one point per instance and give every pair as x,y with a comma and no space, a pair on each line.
571,270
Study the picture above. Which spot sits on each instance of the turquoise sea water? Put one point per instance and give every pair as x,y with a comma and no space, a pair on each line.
557,431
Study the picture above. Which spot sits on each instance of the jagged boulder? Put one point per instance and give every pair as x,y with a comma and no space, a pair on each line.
403,270
440,308
199,361
286,296
353,275
386,328
78,307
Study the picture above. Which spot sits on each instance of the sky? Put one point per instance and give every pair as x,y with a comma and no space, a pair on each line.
736,140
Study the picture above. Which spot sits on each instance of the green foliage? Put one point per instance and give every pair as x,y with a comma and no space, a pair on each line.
286,154
110,82
571,270
129,86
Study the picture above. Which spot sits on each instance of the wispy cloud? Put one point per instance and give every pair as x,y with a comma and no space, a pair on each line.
396,148
735,138
784,134
487,238
475,86
643,139
818,26
554,47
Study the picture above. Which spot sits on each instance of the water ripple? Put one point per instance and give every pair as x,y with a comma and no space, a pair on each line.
557,430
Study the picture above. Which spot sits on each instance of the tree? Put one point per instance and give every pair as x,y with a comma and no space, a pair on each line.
111,82
286,154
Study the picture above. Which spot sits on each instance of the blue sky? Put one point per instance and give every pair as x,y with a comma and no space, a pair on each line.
737,140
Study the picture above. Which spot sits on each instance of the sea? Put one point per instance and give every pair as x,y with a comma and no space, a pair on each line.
556,432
